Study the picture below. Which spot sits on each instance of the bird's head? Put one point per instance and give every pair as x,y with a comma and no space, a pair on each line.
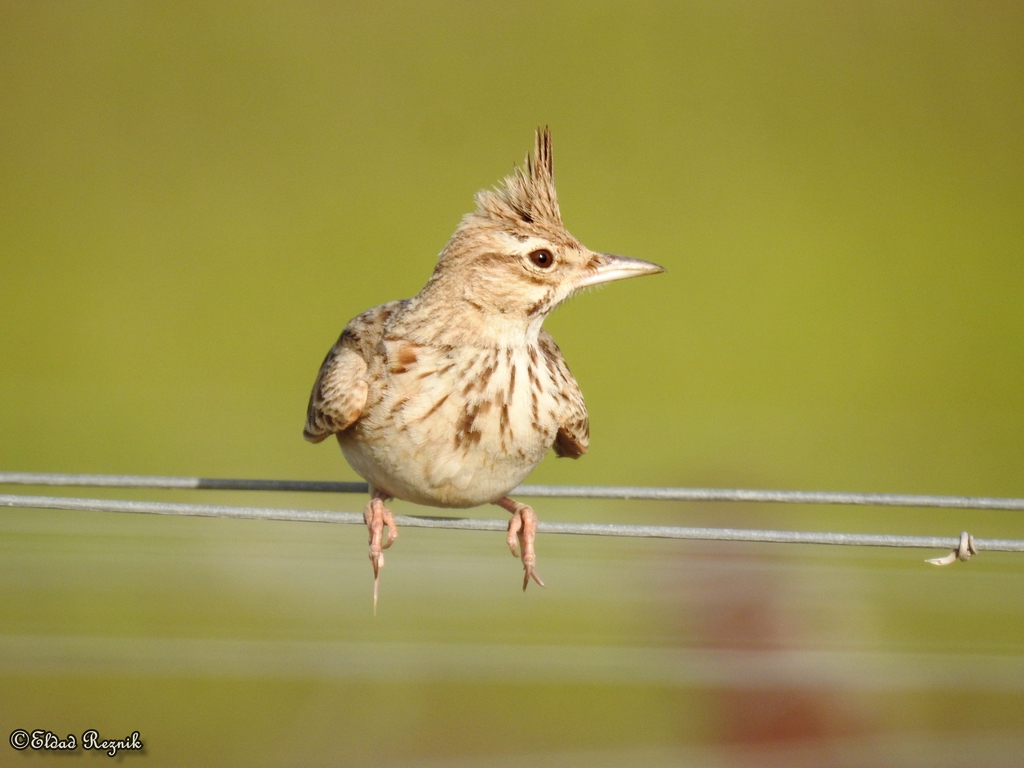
513,260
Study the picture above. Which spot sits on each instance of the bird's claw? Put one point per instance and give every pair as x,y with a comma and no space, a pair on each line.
522,529
376,517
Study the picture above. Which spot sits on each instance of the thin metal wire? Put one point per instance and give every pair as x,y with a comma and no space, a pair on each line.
468,524
529,491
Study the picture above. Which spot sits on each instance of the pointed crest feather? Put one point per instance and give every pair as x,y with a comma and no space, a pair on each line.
527,195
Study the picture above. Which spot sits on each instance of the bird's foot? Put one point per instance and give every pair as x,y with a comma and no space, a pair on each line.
522,529
376,517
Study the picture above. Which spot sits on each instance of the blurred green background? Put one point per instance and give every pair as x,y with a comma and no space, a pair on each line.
195,198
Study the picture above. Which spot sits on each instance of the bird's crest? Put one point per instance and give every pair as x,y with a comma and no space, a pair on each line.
526,196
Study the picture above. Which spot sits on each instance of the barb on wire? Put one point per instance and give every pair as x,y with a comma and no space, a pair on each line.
534,491
962,552
468,524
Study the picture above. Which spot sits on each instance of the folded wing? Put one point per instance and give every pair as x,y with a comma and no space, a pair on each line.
573,437
339,393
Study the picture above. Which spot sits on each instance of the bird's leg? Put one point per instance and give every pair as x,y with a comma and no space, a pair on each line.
522,526
376,517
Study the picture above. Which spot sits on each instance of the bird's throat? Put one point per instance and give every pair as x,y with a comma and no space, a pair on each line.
461,321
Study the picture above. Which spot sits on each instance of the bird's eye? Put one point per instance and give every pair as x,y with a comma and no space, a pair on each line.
542,258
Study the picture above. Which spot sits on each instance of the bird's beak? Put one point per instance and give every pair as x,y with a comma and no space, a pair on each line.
605,267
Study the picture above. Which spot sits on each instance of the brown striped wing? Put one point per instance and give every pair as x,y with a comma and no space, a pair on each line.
339,393
573,436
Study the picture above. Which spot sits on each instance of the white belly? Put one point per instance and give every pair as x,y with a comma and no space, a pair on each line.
464,435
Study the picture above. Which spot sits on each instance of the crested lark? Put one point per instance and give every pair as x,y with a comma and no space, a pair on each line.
451,398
